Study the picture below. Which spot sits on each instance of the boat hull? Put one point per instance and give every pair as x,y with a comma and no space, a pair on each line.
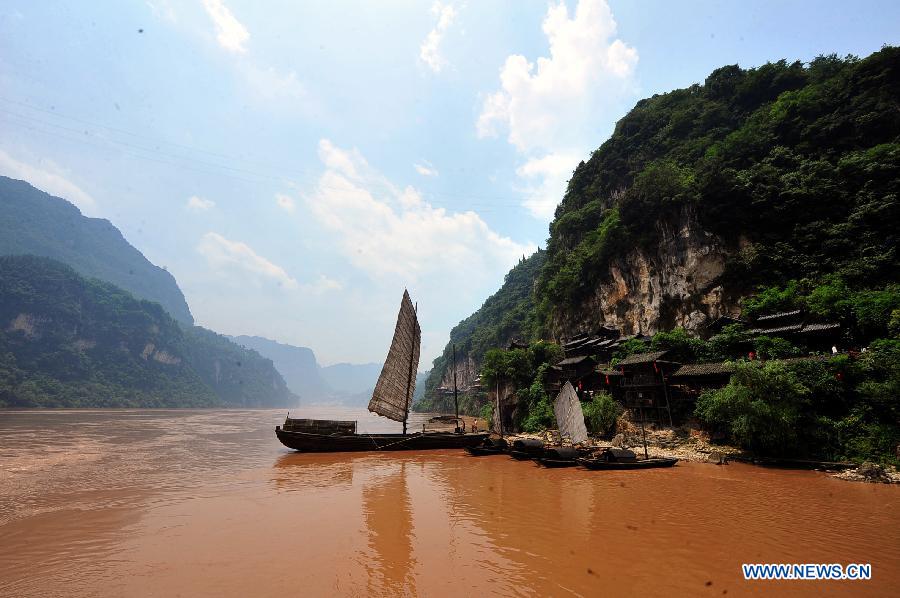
547,462
307,442
482,451
618,465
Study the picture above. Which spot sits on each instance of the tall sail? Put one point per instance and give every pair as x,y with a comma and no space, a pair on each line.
397,382
569,416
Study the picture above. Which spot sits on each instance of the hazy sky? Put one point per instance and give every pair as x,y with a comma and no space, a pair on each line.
295,165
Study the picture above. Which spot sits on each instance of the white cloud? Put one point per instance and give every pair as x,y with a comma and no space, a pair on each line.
230,33
199,204
285,202
49,177
223,253
430,50
551,110
545,181
387,231
162,10
425,168
270,84
323,284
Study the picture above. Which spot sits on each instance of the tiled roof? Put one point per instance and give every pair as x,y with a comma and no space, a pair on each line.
704,369
642,358
778,330
819,327
572,360
783,314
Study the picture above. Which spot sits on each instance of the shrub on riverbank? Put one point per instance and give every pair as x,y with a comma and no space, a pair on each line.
835,410
601,413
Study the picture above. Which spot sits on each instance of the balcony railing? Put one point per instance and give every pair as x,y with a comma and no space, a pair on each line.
641,380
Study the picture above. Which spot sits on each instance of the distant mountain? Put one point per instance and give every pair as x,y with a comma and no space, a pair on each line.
346,383
70,341
297,365
351,378
36,223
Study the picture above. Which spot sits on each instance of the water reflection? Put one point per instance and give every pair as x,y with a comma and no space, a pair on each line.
294,472
387,511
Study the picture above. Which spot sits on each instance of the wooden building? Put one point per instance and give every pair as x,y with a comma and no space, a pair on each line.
645,385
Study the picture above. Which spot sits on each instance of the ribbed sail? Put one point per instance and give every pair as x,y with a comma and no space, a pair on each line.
569,416
397,382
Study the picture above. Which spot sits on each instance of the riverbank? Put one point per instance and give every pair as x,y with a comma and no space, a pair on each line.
691,444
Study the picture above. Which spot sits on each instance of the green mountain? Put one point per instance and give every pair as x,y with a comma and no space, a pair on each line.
757,177
70,341
297,364
505,316
36,223
781,181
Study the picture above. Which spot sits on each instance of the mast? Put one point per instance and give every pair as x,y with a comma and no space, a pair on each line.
643,434
499,413
409,376
455,398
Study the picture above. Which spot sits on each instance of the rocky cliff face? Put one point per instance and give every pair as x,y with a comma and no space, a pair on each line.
466,372
675,284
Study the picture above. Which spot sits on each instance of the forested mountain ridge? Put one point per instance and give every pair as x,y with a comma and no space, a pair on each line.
297,364
781,181
757,177
70,341
37,223
505,316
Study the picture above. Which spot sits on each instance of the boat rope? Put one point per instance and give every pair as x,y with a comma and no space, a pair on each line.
405,439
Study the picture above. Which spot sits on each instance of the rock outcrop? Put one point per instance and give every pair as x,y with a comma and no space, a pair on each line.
676,285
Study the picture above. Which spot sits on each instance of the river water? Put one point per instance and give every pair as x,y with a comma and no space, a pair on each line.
208,503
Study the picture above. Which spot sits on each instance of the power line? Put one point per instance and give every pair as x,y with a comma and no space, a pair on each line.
311,177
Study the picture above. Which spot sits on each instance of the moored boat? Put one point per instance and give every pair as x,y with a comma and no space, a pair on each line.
570,422
314,442
490,446
526,448
391,398
596,463
559,456
617,458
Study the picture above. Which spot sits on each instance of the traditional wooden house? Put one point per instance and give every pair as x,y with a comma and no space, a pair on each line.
692,379
645,385
796,327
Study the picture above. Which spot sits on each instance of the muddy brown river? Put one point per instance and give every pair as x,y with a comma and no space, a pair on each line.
208,503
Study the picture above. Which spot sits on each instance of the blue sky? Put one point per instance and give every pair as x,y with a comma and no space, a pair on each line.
296,165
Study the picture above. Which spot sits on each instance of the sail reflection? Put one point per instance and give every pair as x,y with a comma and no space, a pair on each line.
387,510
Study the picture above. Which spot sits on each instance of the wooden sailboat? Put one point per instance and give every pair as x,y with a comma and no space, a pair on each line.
570,422
392,398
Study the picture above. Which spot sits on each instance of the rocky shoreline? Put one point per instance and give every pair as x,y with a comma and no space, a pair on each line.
691,444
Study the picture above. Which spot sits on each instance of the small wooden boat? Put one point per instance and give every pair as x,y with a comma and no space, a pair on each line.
490,446
639,464
559,456
526,448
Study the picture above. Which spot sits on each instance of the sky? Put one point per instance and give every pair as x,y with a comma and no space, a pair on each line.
296,165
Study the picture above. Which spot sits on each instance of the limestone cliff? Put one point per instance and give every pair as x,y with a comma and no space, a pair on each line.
676,284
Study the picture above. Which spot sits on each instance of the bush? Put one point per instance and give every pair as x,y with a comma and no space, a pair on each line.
601,414
759,408
773,347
